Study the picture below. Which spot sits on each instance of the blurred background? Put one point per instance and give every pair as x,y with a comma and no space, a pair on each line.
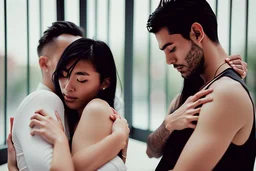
147,84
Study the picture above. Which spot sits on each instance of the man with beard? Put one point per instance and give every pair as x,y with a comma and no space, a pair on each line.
219,135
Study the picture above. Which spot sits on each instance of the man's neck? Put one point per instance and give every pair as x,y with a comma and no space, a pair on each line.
214,56
49,84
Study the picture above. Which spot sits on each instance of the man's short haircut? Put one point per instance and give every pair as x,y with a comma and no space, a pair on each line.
55,30
178,16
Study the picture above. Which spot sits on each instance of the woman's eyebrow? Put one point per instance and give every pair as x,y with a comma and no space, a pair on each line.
81,73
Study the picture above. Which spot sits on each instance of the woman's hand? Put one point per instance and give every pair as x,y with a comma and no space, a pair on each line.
184,116
12,162
235,61
47,127
114,117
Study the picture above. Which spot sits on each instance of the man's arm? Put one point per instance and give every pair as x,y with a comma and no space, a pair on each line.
215,130
180,119
34,151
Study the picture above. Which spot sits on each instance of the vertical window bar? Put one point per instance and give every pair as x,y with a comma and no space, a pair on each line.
83,15
28,55
128,59
246,32
216,8
230,27
60,10
5,68
108,21
149,72
96,18
40,18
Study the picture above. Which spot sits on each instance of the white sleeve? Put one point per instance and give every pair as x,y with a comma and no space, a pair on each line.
116,164
33,152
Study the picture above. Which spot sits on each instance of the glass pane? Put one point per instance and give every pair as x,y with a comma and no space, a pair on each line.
223,24
49,14
34,35
116,43
2,46
157,82
140,65
102,20
72,11
17,55
91,18
238,28
251,79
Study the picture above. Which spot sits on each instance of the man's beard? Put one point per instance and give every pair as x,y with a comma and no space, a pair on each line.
195,60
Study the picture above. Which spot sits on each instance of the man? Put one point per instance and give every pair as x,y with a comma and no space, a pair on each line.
29,150
224,135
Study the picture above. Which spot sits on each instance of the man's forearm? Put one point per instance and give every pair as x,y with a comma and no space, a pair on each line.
157,140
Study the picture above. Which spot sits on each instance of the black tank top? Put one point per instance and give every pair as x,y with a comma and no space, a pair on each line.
236,158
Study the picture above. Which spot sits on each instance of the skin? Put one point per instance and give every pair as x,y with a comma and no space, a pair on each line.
52,129
80,89
225,105
182,118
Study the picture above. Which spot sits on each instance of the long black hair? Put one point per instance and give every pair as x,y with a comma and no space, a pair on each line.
100,56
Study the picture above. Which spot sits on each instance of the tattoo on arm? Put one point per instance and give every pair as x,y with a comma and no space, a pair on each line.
157,140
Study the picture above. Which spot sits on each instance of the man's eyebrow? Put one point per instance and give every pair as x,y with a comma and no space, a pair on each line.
82,73
167,44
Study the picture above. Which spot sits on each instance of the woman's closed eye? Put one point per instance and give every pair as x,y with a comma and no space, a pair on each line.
81,79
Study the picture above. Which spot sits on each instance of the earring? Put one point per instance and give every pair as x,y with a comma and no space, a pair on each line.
46,70
103,88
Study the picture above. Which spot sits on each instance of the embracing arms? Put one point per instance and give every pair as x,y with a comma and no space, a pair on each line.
97,139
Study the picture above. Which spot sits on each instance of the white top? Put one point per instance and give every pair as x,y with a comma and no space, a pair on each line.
33,153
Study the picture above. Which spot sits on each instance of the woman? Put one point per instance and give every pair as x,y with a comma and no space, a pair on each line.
85,80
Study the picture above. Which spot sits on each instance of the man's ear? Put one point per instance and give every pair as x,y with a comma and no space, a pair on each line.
197,32
43,63
105,84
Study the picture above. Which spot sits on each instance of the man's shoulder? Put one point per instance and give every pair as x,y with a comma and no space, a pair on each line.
39,98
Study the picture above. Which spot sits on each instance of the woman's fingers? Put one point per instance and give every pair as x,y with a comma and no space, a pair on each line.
35,122
113,117
201,93
36,131
41,112
201,101
59,120
233,57
37,116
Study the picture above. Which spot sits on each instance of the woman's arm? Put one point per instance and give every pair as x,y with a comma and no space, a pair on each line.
96,139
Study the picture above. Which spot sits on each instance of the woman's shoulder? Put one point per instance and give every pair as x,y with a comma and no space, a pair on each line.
98,106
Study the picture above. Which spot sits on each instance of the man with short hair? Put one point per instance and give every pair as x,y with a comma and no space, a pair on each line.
224,135
34,153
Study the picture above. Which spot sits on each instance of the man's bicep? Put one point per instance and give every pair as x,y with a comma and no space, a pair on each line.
211,138
34,151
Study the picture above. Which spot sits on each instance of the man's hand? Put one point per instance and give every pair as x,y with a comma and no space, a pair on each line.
235,61
12,162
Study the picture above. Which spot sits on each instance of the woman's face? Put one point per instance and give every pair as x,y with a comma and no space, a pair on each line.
81,86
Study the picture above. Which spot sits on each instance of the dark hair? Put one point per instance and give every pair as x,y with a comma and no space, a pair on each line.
55,30
178,16
101,57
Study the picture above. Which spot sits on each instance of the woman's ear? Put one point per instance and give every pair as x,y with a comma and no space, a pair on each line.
105,84
197,33
43,63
